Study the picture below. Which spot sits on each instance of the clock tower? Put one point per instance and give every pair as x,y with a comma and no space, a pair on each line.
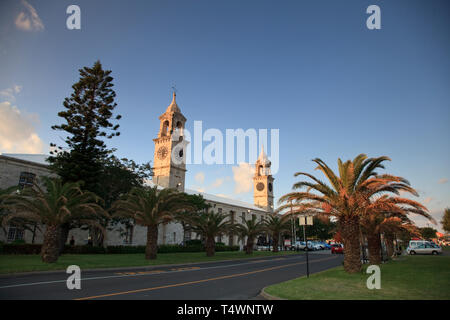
169,161
263,183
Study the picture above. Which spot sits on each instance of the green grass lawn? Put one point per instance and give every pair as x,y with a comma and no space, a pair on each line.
22,263
409,277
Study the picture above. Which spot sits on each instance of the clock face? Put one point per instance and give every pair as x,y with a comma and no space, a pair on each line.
162,153
260,186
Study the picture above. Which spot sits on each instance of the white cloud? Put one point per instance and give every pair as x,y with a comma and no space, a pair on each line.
17,132
218,182
443,180
9,93
200,177
242,176
28,19
200,189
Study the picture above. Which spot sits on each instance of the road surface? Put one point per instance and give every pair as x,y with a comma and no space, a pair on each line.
230,280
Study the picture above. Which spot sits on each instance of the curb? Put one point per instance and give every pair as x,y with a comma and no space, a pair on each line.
267,296
30,273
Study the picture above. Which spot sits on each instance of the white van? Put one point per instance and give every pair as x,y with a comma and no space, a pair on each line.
416,243
423,247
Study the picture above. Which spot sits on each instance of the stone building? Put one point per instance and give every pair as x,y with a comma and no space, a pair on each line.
169,172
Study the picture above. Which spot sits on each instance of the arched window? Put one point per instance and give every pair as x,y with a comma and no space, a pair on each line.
165,128
260,171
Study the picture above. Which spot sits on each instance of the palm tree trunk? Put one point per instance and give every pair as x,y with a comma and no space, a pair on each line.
152,242
64,234
210,246
389,240
275,242
374,244
249,245
349,230
50,247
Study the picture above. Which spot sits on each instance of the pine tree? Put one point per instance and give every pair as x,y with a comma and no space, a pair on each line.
88,119
446,220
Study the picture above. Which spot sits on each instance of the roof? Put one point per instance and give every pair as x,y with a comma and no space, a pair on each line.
173,107
263,159
216,198
36,158
41,159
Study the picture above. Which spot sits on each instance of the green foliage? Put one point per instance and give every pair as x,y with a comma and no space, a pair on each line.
150,206
210,224
21,248
25,248
87,115
55,205
320,229
193,242
446,220
428,233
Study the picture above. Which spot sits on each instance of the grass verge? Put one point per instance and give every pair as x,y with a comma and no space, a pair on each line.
24,263
410,277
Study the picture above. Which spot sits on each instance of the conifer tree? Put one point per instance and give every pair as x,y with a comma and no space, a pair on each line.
88,121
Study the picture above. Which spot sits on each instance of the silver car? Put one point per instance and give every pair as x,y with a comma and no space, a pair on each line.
425,248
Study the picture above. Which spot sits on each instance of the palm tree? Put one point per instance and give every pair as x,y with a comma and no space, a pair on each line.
197,203
209,225
384,214
250,229
56,205
276,225
150,207
392,227
345,197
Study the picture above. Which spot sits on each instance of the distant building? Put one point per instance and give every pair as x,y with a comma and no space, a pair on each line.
169,172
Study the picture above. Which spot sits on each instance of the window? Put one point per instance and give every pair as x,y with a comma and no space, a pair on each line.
219,210
26,179
128,234
254,216
174,237
232,216
165,128
15,234
243,216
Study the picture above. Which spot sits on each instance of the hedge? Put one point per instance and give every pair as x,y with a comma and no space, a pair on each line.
165,248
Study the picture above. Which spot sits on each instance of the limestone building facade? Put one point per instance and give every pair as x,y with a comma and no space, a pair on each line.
169,172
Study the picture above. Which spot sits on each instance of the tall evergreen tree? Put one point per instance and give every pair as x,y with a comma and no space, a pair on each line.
88,122
446,220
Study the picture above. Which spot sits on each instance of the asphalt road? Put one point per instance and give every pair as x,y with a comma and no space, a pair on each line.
230,280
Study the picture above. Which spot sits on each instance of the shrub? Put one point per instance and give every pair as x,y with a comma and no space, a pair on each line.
193,242
27,248
21,248
83,249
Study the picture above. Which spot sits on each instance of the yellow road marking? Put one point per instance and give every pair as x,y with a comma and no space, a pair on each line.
200,281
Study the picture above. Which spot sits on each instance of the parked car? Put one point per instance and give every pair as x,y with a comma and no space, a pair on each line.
424,248
324,245
300,245
314,245
337,248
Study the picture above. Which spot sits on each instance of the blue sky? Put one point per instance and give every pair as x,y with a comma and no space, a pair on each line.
309,68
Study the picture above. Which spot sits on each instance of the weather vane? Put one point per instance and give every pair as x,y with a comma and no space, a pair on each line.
174,88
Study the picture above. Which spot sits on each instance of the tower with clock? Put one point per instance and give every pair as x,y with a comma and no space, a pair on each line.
263,183
169,167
